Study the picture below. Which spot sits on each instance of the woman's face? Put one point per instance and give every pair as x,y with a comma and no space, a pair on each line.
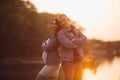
53,26
64,22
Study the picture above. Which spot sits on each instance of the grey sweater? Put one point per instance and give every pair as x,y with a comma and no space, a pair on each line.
51,48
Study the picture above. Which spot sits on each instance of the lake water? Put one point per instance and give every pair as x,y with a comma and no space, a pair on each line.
106,71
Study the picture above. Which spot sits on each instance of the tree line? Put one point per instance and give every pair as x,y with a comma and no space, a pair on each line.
22,29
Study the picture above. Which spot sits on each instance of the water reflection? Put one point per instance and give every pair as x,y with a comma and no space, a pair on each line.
105,71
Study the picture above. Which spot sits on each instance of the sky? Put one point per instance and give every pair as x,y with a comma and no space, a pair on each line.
100,18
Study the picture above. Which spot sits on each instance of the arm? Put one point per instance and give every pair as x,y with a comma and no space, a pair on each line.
51,44
82,39
65,41
79,41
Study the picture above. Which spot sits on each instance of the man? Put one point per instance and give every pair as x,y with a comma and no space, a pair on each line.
71,41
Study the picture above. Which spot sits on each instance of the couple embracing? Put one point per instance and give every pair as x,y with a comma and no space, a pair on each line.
62,48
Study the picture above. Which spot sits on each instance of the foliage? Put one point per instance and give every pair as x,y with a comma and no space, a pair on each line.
22,29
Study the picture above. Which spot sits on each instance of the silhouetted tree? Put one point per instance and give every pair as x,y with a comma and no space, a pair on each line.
22,29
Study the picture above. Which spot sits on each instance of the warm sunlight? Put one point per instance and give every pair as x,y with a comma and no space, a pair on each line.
106,71
97,16
88,75
60,40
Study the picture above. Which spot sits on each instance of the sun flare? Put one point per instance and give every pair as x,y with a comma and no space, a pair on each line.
88,75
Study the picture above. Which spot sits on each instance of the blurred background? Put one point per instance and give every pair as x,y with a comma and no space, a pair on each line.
25,23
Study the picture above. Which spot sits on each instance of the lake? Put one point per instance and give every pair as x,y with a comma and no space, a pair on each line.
100,70
106,71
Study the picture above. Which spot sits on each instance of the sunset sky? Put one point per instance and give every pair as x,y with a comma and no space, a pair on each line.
100,18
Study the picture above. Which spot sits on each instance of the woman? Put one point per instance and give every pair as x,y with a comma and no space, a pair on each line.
71,41
50,55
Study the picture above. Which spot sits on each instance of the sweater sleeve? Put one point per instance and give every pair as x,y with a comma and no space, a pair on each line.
80,40
65,41
50,44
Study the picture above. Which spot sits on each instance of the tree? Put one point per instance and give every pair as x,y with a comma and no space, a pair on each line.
22,29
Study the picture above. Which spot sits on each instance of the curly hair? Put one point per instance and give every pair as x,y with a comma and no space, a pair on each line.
57,26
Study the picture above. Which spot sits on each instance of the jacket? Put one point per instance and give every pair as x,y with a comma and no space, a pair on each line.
67,46
50,46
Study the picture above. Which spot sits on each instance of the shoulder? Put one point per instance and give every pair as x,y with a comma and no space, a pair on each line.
76,30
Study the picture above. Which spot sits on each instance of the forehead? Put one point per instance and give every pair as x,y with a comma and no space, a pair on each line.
54,21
